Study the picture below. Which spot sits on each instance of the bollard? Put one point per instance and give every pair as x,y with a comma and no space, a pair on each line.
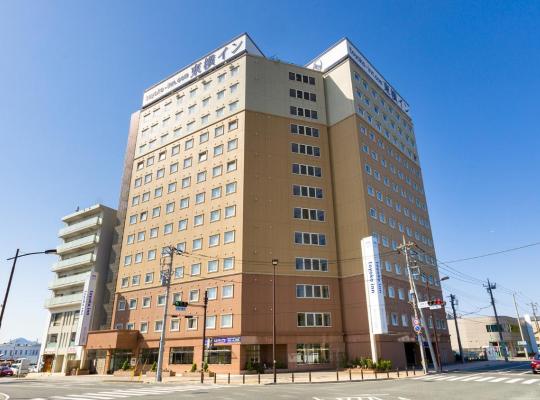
243,378
414,369
259,377
337,375
362,373
215,377
309,376
387,374
397,372
407,370
375,374
292,377
350,375
228,378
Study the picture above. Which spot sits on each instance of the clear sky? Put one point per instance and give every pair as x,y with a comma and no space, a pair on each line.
71,73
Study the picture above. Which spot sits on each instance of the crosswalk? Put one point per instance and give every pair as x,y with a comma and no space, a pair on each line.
493,377
130,393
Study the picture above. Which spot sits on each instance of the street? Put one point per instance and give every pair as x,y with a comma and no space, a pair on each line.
512,381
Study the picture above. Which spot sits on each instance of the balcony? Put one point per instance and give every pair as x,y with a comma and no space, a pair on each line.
61,301
87,225
69,281
78,244
74,262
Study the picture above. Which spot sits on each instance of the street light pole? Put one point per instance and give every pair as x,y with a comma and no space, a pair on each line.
275,262
15,258
204,334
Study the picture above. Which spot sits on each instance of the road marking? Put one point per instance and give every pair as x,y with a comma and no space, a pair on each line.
487,378
525,373
530,381
112,394
514,380
459,377
5,395
498,380
470,378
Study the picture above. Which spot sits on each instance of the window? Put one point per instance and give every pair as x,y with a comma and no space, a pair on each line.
149,277
227,291
316,239
217,171
216,192
135,200
311,264
154,232
194,295
188,145
212,293
158,326
226,321
161,300
127,260
391,292
148,178
213,240
232,144
198,220
158,191
212,266
186,182
305,149
171,187
233,106
131,239
188,162
135,280
308,214
145,197
175,150
307,191
308,170
138,258
201,176
125,282
203,137
231,166
169,208
175,324
173,168
228,263
192,324
313,319
218,131
230,188
312,291
304,130
121,305
228,237
146,302
132,304
179,272
197,244
233,125
133,219
181,355
184,203
404,320
230,211
394,319
151,255
312,354
143,216
211,322
167,229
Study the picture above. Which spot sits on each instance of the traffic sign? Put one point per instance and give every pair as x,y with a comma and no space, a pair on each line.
180,308
417,328
522,343
423,304
416,321
435,307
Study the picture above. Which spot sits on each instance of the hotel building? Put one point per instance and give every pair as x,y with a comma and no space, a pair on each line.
78,288
239,159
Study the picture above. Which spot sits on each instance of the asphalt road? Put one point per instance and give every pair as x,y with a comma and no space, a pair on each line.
514,381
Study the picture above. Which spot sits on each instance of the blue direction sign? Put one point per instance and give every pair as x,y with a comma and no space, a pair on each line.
180,308
417,328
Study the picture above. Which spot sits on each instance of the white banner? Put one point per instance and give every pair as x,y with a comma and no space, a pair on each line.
87,309
374,285
210,61
530,332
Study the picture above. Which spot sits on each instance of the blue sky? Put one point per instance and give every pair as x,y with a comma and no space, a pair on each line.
71,73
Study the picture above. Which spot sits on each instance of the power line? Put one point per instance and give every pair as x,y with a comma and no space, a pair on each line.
493,253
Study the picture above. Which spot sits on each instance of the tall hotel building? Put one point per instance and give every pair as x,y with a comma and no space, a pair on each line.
239,159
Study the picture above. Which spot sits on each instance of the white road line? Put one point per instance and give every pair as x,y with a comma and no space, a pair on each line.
443,378
67,398
530,381
525,373
471,378
498,380
487,378
112,394
5,395
89,395
459,377
514,380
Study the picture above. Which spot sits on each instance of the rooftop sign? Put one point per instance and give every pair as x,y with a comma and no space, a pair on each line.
344,49
235,47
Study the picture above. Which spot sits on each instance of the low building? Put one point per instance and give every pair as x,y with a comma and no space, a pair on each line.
20,348
478,333
78,287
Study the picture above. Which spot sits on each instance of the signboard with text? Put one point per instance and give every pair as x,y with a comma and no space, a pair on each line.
373,285
199,67
87,309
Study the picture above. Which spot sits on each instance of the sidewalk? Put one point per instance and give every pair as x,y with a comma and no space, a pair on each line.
468,366
354,374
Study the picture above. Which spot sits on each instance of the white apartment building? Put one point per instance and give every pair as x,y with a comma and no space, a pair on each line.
76,304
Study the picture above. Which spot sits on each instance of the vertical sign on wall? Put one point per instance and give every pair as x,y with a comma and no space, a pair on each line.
87,308
374,291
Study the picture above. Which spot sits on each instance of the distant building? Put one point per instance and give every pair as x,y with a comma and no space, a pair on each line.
80,278
477,333
20,348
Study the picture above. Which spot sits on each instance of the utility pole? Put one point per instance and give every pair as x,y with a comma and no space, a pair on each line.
434,328
165,281
204,334
490,286
520,329
275,262
405,247
453,303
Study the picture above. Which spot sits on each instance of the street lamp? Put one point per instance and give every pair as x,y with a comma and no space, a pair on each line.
15,258
275,262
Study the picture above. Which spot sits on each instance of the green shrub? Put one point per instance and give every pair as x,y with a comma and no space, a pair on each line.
205,367
193,368
384,365
126,365
249,365
280,365
154,367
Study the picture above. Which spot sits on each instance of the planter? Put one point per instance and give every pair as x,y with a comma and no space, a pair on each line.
121,372
208,374
163,373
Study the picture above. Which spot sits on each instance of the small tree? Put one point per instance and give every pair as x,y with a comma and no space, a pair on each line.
205,367
154,367
249,365
126,365
193,367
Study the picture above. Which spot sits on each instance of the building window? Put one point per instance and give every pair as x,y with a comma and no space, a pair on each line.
216,192
197,244
149,277
158,326
228,263
212,266
226,321
228,237
308,214
312,354
192,323
146,302
311,264
313,319
230,188
121,306
175,324
307,191
179,272
308,170
181,355
211,293
195,269
312,291
213,240
316,239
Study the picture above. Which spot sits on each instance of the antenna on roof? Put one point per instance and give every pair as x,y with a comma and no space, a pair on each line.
77,209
